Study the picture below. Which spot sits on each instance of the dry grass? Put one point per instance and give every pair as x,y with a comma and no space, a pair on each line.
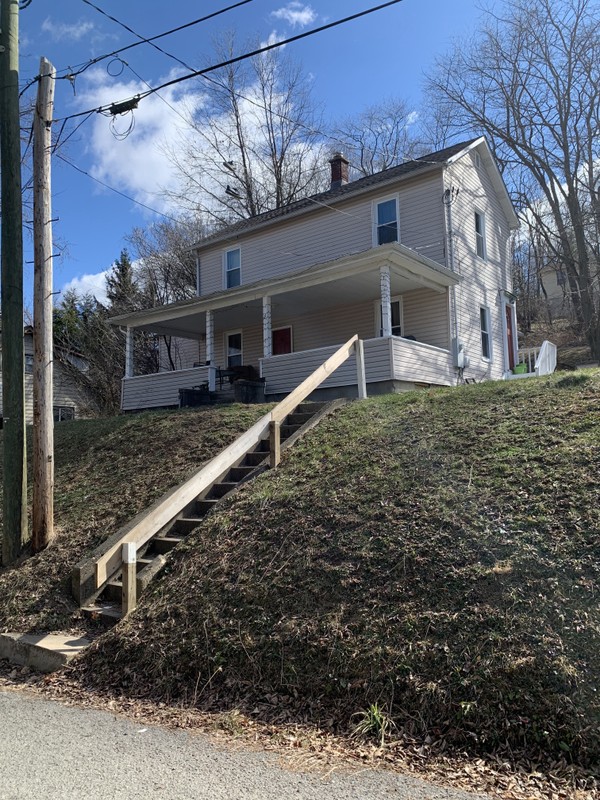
436,554
107,470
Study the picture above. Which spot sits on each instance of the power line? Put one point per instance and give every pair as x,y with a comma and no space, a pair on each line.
237,59
83,66
116,191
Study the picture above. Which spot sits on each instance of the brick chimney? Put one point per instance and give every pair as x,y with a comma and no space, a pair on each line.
339,170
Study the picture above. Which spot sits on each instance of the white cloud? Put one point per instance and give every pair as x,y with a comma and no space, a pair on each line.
138,163
296,14
93,283
61,31
412,118
274,37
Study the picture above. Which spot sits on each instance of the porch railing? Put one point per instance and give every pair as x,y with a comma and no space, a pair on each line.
545,363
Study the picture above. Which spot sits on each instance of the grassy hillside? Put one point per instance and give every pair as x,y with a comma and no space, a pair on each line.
107,470
433,554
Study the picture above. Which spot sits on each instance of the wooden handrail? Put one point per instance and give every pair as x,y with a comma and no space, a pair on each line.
143,527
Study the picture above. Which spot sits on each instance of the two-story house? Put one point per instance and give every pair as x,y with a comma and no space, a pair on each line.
414,259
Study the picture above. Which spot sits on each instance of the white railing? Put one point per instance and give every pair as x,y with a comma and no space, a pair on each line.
159,389
545,363
528,356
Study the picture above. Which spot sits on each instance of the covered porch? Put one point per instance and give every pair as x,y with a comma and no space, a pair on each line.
396,300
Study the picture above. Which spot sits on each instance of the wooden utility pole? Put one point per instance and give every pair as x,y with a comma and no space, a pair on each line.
14,533
43,351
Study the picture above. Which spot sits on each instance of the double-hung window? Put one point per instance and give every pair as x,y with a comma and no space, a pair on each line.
480,234
386,221
233,268
486,339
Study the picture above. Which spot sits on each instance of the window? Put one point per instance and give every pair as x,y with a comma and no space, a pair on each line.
63,413
386,222
28,363
396,308
233,268
233,348
480,234
486,341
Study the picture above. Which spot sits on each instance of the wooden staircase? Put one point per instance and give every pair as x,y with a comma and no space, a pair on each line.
106,600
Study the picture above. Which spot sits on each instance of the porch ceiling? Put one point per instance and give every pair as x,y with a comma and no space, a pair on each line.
346,281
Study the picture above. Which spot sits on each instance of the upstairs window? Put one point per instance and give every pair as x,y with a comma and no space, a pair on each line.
480,234
233,268
28,363
386,222
486,341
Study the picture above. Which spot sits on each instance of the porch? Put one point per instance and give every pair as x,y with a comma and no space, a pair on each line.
395,300
389,361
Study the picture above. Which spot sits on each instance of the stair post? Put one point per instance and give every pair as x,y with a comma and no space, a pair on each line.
129,595
274,443
361,379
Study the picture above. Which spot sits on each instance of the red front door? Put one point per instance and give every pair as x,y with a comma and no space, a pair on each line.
510,337
282,341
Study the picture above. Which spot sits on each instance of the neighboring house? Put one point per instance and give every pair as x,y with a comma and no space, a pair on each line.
70,401
414,259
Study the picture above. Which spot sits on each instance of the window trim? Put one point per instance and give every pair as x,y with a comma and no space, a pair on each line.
374,217
226,335
480,236
227,271
398,298
487,332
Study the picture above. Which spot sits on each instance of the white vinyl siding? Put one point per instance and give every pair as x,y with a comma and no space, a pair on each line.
160,389
481,280
326,234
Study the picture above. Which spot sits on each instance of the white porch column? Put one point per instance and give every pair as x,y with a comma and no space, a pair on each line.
129,353
267,328
210,337
210,351
386,301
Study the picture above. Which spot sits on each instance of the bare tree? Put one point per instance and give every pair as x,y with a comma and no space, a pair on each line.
530,80
253,144
380,137
166,265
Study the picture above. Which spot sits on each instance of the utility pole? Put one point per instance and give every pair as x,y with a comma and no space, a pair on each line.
43,349
13,401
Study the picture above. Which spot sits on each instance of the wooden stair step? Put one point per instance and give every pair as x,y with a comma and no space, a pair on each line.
254,459
288,430
186,524
221,489
299,417
164,544
238,474
206,504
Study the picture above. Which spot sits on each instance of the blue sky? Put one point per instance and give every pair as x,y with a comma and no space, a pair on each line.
355,65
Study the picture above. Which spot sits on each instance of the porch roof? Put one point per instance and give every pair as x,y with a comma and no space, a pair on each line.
357,277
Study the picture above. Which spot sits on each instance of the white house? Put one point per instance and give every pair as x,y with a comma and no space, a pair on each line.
414,259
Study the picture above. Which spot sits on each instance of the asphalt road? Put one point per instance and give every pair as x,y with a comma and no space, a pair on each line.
53,752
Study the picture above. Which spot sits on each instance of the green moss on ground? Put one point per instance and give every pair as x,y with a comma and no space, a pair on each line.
435,552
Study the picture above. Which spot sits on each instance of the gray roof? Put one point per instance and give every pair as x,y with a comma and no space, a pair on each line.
438,158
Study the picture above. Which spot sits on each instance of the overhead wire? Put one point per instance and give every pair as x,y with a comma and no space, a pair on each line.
116,191
72,73
244,56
